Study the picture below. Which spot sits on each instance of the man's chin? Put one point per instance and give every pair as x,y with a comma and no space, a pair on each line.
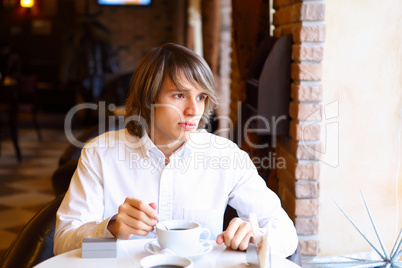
184,136
187,134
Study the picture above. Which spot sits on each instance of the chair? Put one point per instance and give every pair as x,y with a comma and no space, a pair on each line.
27,98
34,244
19,95
9,105
62,176
73,152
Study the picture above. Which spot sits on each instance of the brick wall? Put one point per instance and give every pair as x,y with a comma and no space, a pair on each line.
298,184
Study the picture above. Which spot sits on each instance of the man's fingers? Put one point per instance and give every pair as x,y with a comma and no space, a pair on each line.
245,242
134,217
231,231
125,231
142,206
152,205
220,239
121,230
238,234
133,223
128,208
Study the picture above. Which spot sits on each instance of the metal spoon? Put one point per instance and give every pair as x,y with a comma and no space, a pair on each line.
163,225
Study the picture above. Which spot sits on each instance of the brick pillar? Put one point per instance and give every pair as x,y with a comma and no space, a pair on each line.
298,184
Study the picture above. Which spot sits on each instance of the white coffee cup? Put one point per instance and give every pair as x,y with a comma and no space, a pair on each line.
167,260
182,237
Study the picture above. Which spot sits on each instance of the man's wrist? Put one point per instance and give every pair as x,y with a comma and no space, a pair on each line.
109,232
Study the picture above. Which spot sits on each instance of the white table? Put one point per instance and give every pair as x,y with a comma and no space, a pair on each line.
130,252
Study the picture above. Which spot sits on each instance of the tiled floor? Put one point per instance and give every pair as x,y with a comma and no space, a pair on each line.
26,187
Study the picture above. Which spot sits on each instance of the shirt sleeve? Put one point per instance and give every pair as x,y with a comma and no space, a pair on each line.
250,194
81,212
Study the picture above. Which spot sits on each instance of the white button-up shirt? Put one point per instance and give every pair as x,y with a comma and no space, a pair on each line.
202,177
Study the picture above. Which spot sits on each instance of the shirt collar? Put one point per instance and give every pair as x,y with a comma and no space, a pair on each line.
148,148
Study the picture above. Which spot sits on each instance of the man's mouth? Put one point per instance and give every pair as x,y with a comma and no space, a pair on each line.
188,125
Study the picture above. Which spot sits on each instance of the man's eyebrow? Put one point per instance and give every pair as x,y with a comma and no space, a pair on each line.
182,90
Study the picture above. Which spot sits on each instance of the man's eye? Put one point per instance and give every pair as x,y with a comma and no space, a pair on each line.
202,97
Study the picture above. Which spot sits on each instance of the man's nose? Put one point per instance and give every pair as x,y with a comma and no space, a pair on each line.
191,107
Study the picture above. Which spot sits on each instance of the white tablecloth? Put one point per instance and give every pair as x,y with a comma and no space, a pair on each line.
130,252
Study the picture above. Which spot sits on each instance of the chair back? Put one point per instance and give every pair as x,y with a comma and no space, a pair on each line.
62,176
34,244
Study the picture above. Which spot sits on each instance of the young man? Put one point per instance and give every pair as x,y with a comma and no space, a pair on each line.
165,166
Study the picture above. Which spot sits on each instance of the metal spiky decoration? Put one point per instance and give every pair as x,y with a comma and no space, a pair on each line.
388,260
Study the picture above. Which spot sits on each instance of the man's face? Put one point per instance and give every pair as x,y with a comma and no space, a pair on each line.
176,113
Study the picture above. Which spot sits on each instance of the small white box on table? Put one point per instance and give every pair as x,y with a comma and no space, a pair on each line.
99,247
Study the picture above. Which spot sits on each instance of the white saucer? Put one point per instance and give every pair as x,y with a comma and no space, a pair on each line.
154,248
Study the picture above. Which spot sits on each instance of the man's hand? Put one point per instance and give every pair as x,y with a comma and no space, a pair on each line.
134,217
237,235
